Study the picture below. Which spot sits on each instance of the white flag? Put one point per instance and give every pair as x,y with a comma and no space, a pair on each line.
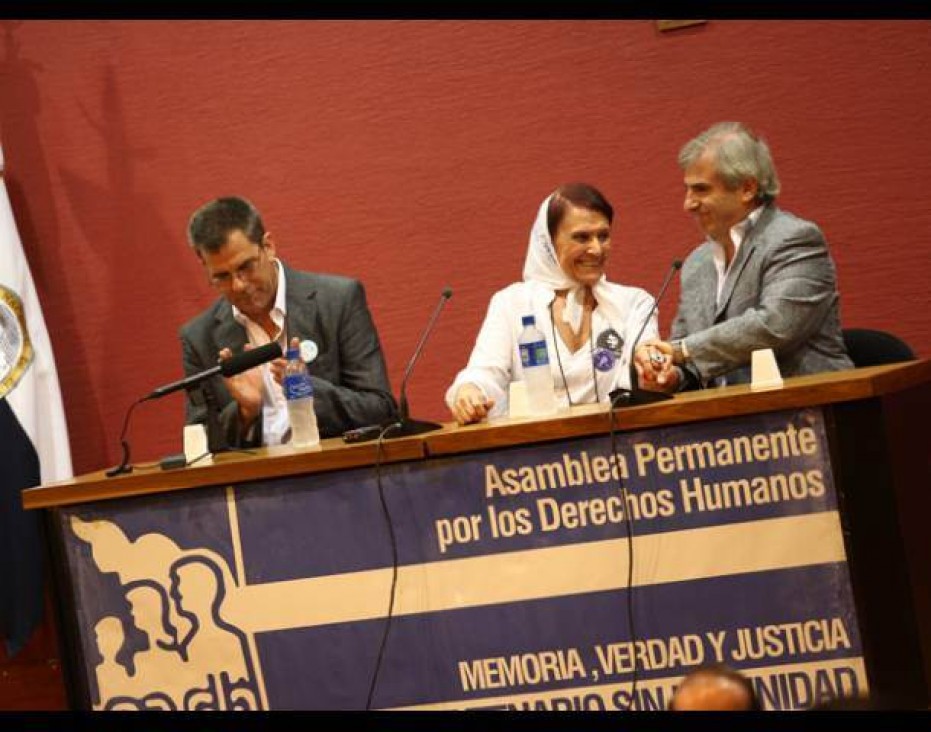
34,445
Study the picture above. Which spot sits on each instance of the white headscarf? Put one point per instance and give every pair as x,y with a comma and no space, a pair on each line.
542,266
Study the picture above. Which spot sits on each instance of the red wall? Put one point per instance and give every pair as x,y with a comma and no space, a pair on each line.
413,154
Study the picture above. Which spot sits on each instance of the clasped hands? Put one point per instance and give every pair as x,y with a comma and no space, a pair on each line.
656,370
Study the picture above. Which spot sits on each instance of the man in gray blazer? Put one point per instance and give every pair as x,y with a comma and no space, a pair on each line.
263,300
763,278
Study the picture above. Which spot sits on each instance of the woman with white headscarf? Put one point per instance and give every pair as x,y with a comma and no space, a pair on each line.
589,323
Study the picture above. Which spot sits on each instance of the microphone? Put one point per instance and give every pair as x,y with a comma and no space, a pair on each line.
405,425
230,367
635,395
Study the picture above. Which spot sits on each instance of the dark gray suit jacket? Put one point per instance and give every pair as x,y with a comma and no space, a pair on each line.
780,293
349,376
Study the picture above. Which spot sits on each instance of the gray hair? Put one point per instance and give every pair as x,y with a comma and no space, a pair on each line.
738,155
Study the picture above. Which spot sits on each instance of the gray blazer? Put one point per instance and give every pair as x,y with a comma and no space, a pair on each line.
349,376
780,293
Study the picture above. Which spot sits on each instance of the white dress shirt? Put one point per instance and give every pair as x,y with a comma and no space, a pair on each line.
276,427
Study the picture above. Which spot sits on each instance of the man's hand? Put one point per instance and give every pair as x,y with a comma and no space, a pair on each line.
655,368
470,404
246,389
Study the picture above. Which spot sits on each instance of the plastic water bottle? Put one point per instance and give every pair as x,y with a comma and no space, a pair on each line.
299,391
535,362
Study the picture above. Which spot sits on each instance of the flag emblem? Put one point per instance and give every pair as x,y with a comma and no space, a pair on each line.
15,347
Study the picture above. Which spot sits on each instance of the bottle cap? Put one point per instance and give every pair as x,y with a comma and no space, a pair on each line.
528,320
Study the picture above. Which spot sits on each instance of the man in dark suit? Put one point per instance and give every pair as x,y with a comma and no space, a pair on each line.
762,279
263,300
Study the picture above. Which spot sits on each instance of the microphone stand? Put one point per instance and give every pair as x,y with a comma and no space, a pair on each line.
199,397
125,466
406,426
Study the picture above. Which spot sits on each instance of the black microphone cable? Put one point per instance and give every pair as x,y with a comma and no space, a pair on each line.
125,466
616,397
631,626
379,457
628,523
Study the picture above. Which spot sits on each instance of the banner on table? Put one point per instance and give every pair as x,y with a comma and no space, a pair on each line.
514,587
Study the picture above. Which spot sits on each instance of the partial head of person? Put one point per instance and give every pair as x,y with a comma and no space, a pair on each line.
147,606
728,172
238,254
110,636
714,688
197,585
578,220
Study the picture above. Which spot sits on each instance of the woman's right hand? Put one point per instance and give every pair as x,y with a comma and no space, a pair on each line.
471,404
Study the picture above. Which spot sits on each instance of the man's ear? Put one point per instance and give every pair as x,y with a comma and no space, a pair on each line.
268,243
748,190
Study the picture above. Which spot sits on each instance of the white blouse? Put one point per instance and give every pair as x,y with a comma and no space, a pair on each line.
495,359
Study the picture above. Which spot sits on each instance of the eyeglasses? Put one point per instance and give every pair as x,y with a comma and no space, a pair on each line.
245,271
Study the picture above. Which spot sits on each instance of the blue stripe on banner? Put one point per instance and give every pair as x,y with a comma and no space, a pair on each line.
546,495
567,642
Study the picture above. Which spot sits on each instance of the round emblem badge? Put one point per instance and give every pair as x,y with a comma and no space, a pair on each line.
610,340
604,359
309,351
15,347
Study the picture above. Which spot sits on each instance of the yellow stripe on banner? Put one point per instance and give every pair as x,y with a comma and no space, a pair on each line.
677,556
786,686
240,581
